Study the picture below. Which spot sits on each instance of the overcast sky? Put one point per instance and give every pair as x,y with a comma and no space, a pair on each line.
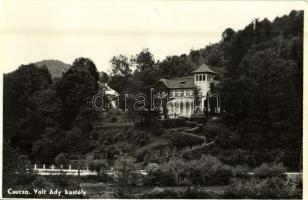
33,30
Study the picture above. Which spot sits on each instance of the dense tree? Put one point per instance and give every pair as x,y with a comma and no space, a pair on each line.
88,64
23,165
43,150
103,77
100,166
175,66
197,97
144,79
121,67
22,120
77,86
228,35
121,72
61,160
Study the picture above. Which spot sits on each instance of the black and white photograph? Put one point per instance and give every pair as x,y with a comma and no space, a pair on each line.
152,99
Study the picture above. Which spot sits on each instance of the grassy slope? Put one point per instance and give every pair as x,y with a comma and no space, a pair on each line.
137,142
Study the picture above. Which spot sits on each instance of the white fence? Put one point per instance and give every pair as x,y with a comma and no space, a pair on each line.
56,171
74,172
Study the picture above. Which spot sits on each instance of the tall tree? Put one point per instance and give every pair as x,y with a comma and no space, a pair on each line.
22,122
77,86
143,80
120,75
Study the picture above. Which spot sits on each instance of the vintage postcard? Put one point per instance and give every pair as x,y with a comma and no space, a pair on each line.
152,99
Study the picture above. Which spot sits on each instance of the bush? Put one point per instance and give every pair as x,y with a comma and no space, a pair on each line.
43,183
181,139
208,170
157,128
266,170
241,171
136,179
190,193
24,165
161,177
61,159
219,131
113,119
194,193
256,188
159,193
173,123
222,176
100,166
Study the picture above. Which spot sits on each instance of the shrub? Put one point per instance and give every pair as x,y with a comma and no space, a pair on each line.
211,171
190,193
266,170
214,129
181,139
256,188
43,183
100,166
113,119
152,167
240,171
159,193
222,176
136,179
24,165
161,177
173,123
61,159
157,128
194,193
208,170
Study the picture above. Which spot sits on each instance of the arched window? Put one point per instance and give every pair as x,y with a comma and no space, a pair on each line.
200,77
203,77
196,77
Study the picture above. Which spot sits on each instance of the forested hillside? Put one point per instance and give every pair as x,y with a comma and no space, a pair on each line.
262,88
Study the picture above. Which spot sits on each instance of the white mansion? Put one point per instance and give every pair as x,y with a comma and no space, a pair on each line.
181,93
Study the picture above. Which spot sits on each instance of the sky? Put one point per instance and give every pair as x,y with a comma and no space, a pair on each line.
34,30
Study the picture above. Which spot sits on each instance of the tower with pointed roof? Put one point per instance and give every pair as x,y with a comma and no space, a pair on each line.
203,77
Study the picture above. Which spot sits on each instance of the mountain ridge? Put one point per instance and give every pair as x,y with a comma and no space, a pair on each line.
55,67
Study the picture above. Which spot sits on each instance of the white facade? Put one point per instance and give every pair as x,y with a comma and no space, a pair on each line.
181,103
203,81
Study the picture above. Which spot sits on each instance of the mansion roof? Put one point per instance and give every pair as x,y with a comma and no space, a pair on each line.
183,82
187,82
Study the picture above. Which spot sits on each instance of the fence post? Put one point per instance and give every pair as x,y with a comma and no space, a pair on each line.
43,166
35,166
52,166
70,167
